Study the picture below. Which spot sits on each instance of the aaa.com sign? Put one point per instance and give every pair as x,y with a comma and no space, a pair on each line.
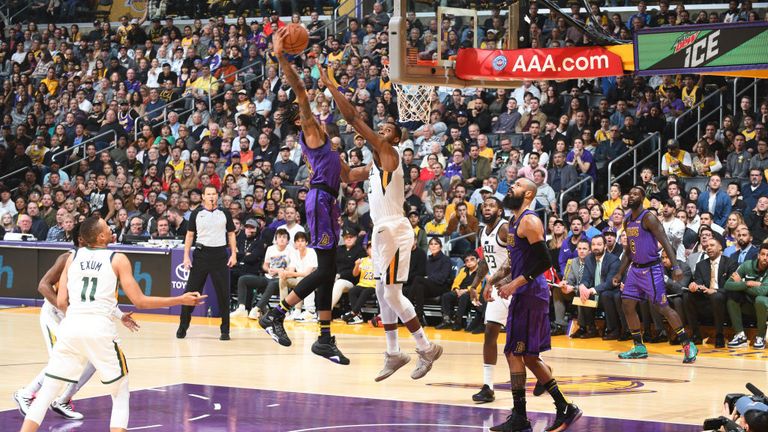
551,63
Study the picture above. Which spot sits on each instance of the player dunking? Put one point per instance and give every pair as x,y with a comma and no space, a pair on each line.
528,320
88,296
50,318
645,278
322,218
392,238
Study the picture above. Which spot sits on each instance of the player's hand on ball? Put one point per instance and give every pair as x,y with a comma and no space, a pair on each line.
129,322
277,41
192,299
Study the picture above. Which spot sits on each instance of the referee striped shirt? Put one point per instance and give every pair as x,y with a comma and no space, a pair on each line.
211,226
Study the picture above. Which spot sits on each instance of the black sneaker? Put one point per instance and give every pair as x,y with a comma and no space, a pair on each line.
514,423
347,317
565,417
485,395
273,325
181,333
330,351
224,337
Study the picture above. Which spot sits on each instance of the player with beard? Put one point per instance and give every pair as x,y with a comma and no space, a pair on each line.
522,278
645,278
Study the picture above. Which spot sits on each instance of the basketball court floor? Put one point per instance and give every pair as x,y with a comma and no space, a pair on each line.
253,384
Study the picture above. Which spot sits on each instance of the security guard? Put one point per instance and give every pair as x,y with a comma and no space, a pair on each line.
210,229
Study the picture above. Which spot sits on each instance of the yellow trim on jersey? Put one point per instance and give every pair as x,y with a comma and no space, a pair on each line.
386,178
51,336
121,360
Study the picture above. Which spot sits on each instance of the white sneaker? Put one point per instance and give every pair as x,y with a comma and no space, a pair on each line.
357,319
392,362
739,341
759,343
23,401
240,312
255,314
308,317
294,315
426,358
66,410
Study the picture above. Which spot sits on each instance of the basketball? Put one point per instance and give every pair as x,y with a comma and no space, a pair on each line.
296,39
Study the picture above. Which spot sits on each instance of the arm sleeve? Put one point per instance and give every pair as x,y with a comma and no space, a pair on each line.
230,223
193,220
541,265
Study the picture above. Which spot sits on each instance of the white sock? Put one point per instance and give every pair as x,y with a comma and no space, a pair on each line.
241,307
488,375
35,385
393,346
422,342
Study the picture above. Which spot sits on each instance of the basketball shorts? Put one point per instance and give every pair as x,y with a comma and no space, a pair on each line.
322,219
527,327
83,339
645,283
391,252
50,317
497,310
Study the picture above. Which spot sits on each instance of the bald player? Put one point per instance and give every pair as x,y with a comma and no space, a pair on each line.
521,280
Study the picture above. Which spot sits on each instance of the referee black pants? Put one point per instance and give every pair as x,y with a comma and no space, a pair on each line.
209,262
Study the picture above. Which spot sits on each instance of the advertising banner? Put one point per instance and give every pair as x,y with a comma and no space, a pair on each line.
178,283
537,64
18,271
700,49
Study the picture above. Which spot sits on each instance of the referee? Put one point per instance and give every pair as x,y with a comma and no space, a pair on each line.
211,229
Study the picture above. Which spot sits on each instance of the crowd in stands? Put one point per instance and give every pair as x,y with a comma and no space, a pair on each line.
132,122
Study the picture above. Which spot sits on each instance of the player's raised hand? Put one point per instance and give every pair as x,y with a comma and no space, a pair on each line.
129,322
277,41
325,76
192,299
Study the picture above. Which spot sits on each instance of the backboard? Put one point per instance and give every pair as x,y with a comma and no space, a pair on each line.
410,64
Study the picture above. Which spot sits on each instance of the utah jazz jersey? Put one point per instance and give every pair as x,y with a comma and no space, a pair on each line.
387,193
494,250
92,283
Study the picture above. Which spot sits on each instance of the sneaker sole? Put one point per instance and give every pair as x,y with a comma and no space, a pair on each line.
479,401
333,359
65,415
565,426
633,357
382,377
741,345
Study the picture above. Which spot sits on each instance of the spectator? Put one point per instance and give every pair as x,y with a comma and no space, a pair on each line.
475,169
347,256
599,269
715,201
753,190
362,292
708,287
565,292
461,293
743,249
748,293
438,226
436,280
569,247
462,227
738,161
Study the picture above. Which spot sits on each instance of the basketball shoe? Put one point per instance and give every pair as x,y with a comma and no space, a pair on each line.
392,362
637,352
66,410
515,423
23,400
565,417
689,352
329,350
426,359
273,325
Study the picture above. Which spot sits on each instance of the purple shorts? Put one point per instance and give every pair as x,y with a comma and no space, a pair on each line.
322,219
527,327
645,284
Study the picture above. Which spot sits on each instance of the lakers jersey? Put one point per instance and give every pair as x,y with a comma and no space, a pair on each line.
92,283
387,193
494,250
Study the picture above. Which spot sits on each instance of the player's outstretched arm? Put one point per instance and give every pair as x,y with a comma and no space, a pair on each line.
353,175
123,270
313,134
386,154
62,296
51,278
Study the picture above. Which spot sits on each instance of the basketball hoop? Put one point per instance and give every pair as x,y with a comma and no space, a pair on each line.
413,102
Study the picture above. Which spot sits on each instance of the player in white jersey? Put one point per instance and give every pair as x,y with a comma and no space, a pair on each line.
493,239
392,237
50,317
87,295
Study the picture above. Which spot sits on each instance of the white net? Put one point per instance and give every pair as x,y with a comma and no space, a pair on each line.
413,102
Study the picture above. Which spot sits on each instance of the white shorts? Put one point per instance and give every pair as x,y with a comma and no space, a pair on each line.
391,251
497,311
49,324
83,339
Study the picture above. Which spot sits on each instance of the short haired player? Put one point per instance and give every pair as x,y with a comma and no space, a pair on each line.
322,219
528,320
50,318
645,277
88,296
392,237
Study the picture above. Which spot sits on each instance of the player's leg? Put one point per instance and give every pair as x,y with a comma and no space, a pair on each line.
49,323
633,293
121,396
518,418
659,300
394,359
325,345
496,313
567,412
63,405
50,388
246,284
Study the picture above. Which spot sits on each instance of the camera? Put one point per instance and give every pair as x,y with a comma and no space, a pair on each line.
746,405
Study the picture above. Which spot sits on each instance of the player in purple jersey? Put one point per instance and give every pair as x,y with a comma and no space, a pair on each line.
521,278
322,218
645,278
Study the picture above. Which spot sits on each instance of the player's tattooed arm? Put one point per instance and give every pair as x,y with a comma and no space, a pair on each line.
502,274
482,272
